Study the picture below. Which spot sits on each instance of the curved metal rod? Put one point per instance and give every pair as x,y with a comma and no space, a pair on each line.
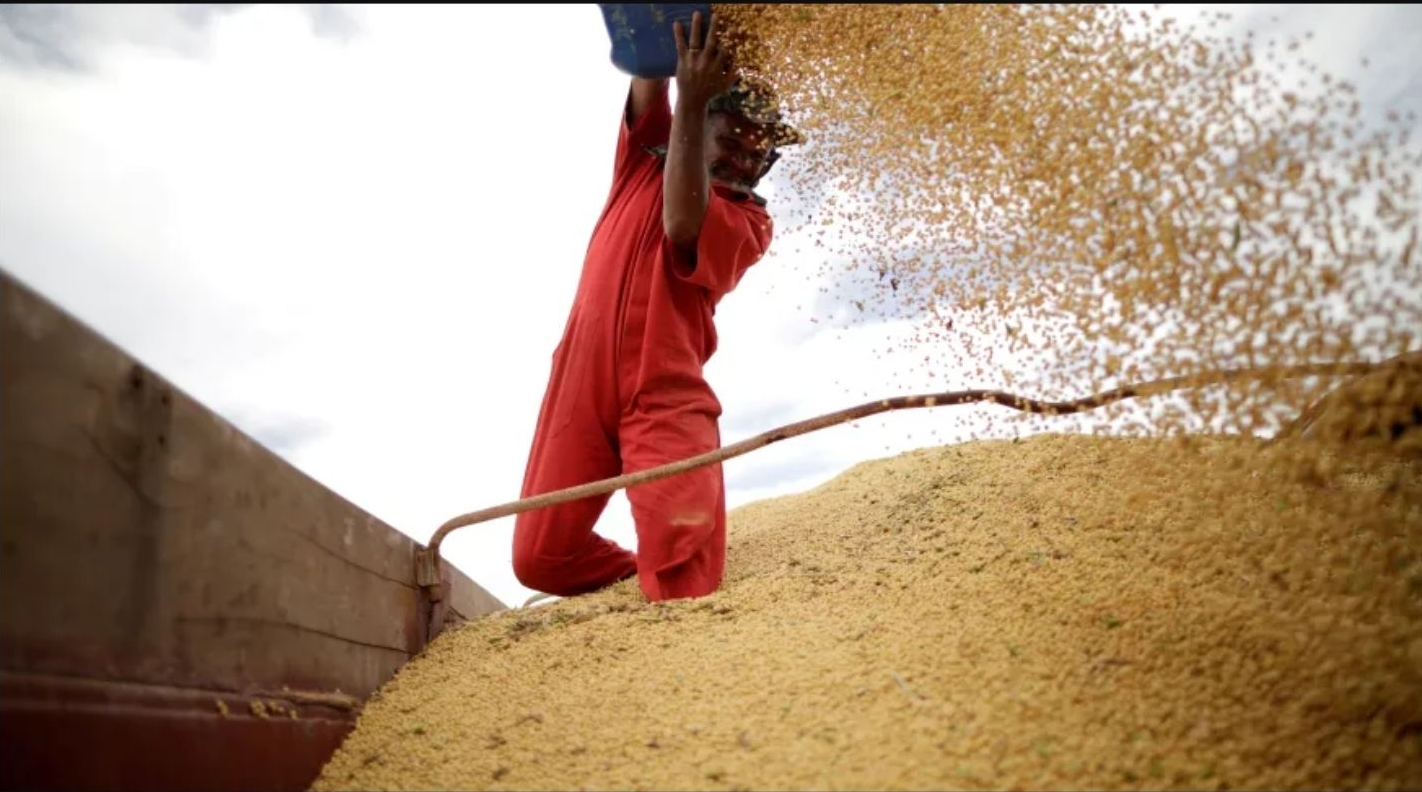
427,566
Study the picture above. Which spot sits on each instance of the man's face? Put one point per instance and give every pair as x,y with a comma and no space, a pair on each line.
737,151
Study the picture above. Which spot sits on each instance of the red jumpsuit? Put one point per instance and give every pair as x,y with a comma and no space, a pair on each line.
627,393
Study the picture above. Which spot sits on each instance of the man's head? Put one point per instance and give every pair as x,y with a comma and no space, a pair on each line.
744,134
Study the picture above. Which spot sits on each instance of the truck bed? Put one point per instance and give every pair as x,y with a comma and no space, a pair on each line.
180,608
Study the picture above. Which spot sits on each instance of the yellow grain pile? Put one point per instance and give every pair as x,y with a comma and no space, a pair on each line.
1055,612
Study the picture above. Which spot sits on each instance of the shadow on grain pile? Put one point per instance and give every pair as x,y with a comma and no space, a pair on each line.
1059,611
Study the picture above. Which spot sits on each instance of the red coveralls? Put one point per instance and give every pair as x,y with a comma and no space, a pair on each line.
627,392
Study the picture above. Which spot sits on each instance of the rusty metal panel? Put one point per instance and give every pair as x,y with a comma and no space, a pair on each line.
58,733
146,541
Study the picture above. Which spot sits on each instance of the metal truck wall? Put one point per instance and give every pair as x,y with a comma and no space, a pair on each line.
179,608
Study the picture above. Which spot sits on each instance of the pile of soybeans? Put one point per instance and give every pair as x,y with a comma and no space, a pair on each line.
1106,199
1055,612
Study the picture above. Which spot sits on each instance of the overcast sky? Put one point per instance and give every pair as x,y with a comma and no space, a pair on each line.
355,232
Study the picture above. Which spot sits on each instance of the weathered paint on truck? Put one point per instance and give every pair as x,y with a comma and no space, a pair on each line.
179,607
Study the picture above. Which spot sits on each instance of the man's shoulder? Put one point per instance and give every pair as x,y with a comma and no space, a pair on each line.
758,200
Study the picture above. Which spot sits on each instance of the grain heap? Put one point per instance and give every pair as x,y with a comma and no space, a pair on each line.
1058,612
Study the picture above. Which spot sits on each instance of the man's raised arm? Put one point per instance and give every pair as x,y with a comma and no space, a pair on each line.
702,71
644,93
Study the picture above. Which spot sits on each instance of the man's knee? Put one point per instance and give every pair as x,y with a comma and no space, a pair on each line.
599,566
536,572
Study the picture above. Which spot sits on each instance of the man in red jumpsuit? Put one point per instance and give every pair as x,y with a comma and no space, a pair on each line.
679,230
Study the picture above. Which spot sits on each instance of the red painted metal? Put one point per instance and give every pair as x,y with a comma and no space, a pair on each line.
59,733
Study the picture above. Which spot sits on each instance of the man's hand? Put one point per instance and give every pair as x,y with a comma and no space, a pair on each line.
703,69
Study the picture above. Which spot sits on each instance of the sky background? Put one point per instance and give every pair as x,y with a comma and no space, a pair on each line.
355,233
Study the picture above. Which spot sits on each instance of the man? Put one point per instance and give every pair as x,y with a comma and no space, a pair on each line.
680,228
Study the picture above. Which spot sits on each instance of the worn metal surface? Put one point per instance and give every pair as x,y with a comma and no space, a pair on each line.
146,541
81,734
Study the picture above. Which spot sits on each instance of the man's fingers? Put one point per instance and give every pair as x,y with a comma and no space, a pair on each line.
696,41
680,41
711,33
